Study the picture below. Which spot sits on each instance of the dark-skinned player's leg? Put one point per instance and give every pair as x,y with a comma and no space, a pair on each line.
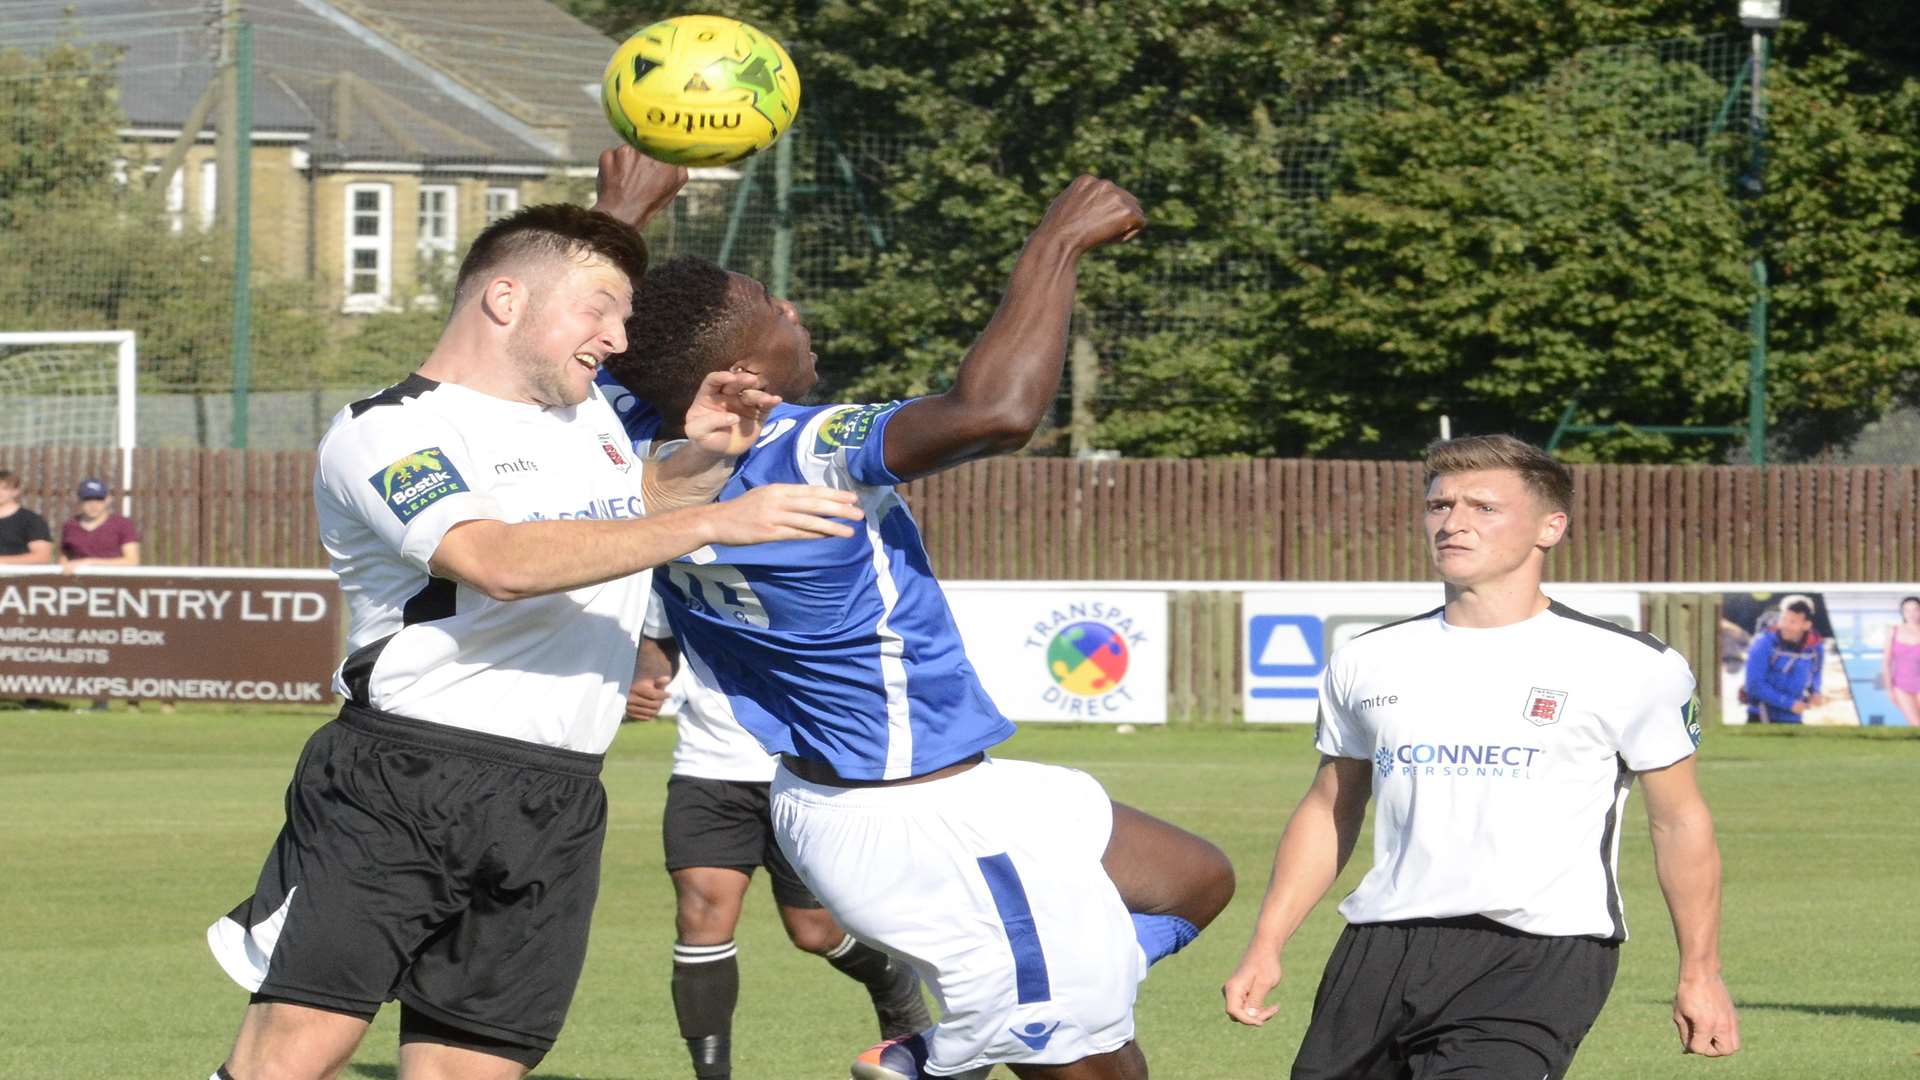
1126,1063
1167,877
706,970
893,986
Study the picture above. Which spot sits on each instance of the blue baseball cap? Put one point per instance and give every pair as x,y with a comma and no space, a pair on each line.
92,489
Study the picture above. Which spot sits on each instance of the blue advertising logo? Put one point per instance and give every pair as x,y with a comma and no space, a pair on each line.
1285,647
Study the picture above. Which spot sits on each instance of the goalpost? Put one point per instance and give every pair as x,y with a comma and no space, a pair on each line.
70,388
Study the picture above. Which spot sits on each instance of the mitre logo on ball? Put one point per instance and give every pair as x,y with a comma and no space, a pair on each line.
700,90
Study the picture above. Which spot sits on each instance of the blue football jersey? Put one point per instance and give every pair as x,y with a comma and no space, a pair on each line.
841,651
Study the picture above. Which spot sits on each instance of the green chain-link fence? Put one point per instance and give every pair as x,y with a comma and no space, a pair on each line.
382,141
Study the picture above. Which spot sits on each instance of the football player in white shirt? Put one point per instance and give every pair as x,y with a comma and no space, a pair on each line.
717,830
1499,736
491,531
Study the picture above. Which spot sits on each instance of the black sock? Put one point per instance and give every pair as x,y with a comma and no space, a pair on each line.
221,1073
706,986
892,985
863,963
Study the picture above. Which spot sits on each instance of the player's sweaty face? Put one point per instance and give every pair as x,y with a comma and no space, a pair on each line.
1483,525
576,319
772,334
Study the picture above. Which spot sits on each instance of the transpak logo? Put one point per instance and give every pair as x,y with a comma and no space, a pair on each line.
1088,647
1088,658
417,481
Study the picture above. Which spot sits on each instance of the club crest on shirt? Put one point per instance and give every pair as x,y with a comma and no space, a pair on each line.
1544,706
1690,719
613,453
416,482
846,429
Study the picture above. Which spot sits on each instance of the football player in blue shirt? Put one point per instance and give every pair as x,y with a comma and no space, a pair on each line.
1029,902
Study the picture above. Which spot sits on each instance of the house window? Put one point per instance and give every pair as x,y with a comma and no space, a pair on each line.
176,204
438,223
369,246
209,191
501,201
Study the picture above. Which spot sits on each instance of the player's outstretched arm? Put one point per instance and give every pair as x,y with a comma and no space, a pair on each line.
1313,849
1008,379
1687,860
723,422
533,558
632,187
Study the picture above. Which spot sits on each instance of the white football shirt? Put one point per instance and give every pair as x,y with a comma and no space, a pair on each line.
399,469
712,744
1501,761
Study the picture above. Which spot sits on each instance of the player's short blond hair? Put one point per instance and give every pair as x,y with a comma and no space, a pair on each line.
1545,476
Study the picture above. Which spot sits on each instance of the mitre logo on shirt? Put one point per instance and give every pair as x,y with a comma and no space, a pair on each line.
1544,706
613,452
416,482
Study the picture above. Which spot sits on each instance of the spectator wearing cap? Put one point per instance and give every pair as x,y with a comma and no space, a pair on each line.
24,537
1784,666
96,536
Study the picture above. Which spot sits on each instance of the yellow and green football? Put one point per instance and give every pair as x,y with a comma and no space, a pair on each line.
700,90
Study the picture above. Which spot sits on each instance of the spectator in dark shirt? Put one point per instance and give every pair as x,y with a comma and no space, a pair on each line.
24,537
96,536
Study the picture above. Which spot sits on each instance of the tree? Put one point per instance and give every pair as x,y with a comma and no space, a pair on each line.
83,249
57,127
1367,214
1837,223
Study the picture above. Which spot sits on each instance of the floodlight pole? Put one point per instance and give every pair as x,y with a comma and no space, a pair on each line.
1762,17
242,344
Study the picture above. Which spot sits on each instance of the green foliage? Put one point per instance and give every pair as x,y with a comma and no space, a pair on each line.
57,127
1366,215
80,250
1839,213
1490,260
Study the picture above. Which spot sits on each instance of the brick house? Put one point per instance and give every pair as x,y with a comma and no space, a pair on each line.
386,133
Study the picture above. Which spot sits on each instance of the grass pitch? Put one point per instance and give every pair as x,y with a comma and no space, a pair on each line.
127,833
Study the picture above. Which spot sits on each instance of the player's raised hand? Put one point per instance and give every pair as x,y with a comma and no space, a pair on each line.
633,187
1703,1011
784,512
1247,988
1093,212
727,413
645,698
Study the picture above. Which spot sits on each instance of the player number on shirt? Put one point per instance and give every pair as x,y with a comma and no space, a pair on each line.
722,589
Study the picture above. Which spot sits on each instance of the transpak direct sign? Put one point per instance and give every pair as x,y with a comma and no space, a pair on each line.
1089,655
169,636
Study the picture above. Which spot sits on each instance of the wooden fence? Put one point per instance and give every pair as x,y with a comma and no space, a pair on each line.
1214,520
1043,518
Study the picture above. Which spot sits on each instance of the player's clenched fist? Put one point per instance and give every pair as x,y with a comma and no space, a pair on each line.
783,512
645,698
633,187
1247,988
1092,212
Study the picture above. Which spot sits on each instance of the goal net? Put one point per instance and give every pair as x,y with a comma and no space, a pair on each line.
67,388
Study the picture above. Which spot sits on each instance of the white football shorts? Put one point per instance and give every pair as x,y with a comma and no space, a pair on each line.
989,883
